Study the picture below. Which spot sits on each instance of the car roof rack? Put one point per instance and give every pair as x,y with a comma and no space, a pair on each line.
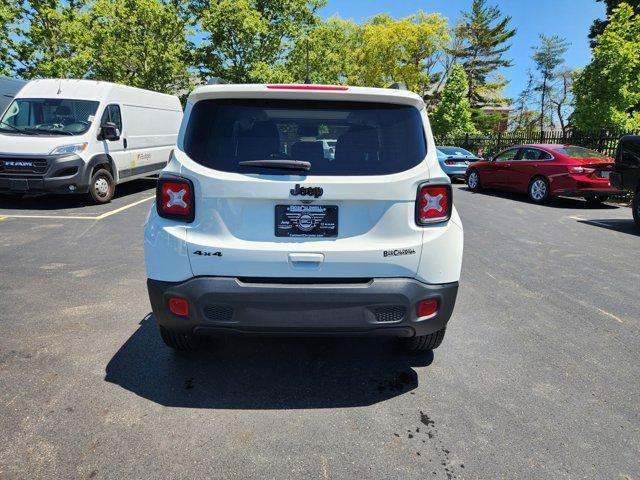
398,86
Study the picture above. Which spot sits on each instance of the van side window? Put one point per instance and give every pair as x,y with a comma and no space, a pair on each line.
112,114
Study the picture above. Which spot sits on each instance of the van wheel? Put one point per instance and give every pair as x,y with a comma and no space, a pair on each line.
635,208
102,186
421,343
473,181
539,190
177,340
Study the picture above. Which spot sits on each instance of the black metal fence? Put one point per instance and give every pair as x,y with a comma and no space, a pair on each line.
604,141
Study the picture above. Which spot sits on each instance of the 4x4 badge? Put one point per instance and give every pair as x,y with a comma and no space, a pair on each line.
306,191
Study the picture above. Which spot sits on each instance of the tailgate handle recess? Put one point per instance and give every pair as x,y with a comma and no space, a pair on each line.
302,258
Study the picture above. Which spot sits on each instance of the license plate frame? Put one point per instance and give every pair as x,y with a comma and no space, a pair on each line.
605,174
306,221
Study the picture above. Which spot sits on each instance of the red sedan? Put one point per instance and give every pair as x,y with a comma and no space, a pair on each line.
545,171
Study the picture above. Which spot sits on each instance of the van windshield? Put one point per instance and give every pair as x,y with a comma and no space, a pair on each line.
47,116
331,138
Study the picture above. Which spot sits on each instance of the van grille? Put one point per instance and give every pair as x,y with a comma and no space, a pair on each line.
218,313
23,165
389,314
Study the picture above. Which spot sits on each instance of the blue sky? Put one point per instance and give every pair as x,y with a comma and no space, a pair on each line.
568,18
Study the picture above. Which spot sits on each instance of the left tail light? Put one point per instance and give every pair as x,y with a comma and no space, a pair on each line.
175,199
434,204
449,162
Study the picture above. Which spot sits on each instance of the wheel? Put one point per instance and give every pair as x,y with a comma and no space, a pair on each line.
635,207
182,341
473,181
102,186
539,190
421,343
596,199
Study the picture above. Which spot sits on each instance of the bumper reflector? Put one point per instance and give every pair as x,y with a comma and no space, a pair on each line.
179,306
426,308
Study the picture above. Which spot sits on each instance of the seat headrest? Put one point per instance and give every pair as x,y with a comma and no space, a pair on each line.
63,111
262,141
309,151
359,143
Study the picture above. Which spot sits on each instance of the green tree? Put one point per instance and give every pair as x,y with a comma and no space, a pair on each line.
142,43
330,46
452,116
607,91
246,40
485,33
52,39
9,14
598,26
389,50
548,56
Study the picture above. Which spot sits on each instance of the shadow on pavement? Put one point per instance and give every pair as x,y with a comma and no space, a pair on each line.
558,202
616,224
61,202
264,373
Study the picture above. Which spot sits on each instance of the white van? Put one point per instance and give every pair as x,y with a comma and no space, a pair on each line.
9,87
84,136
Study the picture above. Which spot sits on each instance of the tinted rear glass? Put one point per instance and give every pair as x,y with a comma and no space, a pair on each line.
370,138
456,152
580,152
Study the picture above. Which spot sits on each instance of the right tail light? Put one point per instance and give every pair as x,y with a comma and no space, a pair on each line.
434,204
175,199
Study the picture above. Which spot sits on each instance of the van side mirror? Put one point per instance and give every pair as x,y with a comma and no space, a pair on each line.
109,131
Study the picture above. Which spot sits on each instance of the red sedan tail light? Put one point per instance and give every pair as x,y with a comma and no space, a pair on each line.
434,204
581,170
174,199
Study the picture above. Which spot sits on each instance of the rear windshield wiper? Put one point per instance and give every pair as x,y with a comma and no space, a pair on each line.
16,128
278,163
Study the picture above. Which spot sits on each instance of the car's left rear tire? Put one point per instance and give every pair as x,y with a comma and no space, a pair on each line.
421,343
185,342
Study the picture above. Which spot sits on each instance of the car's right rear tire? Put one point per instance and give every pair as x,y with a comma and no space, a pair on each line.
421,343
185,342
473,181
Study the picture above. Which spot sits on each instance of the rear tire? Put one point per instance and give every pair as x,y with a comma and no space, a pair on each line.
539,190
422,343
635,208
102,186
473,181
597,199
185,342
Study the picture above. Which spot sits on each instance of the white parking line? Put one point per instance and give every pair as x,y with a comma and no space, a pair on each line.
80,217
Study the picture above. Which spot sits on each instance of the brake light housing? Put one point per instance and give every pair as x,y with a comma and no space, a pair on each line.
449,162
581,170
175,199
433,204
179,306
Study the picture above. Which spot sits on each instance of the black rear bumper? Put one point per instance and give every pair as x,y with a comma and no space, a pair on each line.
230,306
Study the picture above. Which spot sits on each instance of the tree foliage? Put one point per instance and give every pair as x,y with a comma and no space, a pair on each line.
389,50
9,14
142,43
485,33
452,116
548,56
598,26
607,91
245,40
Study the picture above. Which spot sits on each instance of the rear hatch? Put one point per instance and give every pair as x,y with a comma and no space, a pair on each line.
272,202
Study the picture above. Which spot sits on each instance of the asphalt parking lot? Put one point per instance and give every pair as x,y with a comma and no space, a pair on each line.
538,376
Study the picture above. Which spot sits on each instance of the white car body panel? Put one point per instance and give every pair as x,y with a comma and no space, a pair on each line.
235,214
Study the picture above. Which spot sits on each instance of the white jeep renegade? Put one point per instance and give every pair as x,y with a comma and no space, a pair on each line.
257,229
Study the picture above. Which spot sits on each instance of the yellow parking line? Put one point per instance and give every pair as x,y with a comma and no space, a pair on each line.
80,217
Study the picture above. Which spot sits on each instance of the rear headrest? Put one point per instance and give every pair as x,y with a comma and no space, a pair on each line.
359,144
309,151
262,141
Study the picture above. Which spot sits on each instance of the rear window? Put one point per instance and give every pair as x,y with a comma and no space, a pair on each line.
456,152
368,138
580,152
